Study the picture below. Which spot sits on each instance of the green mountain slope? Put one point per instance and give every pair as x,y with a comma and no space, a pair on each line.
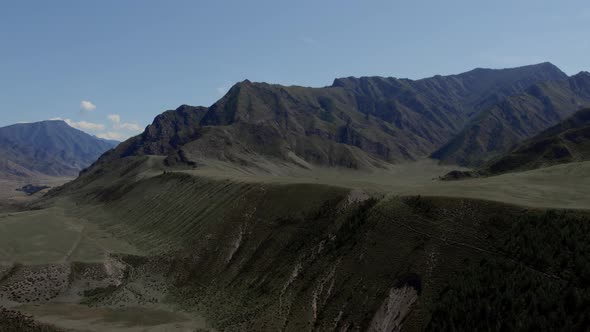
254,256
47,148
515,119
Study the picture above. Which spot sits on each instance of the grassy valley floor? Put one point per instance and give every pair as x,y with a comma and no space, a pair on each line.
561,186
11,198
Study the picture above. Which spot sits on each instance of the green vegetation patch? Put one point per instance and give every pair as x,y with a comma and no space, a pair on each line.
539,282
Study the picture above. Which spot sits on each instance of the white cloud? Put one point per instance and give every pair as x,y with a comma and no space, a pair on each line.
87,106
119,131
128,126
83,125
111,135
117,124
114,118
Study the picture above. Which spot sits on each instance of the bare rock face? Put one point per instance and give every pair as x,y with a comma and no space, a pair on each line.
391,314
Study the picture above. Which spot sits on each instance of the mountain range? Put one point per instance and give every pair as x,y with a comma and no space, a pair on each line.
47,148
569,141
516,118
367,122
359,123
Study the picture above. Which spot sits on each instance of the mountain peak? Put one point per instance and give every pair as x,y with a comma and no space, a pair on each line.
239,85
547,68
581,82
245,82
536,72
55,122
49,147
545,64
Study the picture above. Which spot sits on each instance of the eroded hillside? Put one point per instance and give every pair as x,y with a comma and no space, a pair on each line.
252,255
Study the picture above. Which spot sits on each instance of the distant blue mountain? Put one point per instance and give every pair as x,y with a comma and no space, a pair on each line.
47,148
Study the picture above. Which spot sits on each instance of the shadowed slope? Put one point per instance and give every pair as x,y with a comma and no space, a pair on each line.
515,119
566,142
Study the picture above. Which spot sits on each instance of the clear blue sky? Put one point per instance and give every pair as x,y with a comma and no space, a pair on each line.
136,59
